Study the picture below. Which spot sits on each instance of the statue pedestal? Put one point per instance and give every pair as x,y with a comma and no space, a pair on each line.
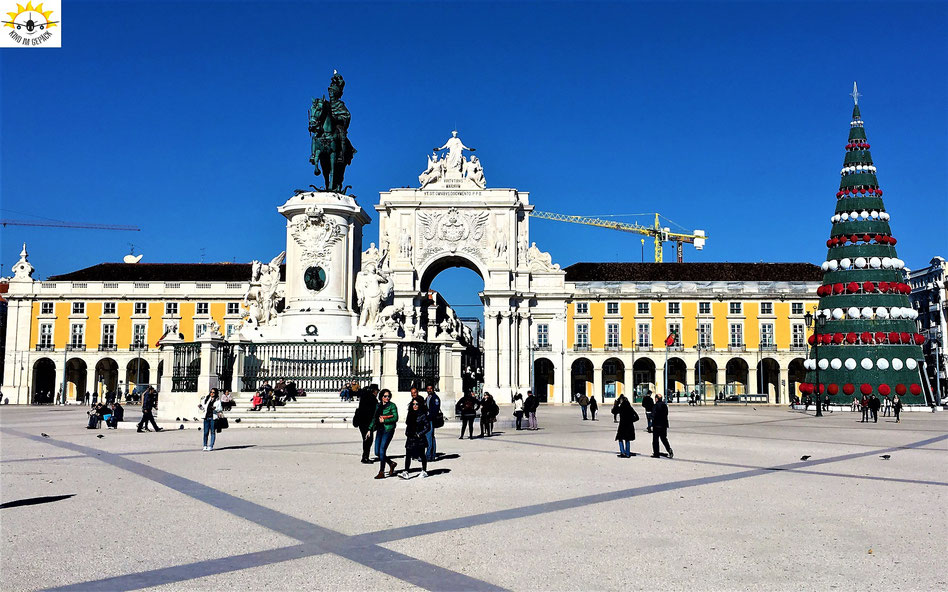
323,252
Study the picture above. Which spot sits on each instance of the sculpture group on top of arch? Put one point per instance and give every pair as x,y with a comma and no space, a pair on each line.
451,170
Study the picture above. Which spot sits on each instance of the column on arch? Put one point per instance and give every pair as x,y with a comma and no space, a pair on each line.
525,377
504,350
491,367
514,350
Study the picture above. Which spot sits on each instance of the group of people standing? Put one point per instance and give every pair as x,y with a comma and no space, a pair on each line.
377,419
526,408
870,405
656,414
588,403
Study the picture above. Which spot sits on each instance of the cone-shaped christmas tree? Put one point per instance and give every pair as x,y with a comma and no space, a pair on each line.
867,342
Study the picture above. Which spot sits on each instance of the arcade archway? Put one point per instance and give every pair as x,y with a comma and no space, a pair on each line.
677,380
613,379
44,382
106,376
581,378
735,375
137,372
76,386
796,375
544,376
643,376
768,378
706,377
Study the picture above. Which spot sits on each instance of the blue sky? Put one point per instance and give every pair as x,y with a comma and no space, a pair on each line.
189,120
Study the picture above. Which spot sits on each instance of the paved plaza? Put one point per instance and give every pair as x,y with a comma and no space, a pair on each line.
293,509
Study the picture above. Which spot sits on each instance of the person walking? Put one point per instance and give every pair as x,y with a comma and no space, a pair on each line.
362,419
583,401
649,406
212,408
467,407
489,411
384,422
887,407
149,402
593,407
435,418
626,431
530,407
660,427
897,408
518,410
864,405
417,426
874,405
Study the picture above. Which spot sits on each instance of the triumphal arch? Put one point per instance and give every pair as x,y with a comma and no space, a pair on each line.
453,219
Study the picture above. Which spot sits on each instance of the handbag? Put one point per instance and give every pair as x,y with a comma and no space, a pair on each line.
438,420
635,416
221,423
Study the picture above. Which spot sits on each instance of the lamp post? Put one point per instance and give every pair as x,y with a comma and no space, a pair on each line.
820,323
700,385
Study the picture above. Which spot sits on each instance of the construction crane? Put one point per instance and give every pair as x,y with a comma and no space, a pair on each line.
7,222
660,234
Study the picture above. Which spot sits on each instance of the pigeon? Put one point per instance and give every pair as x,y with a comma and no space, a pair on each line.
196,419
45,435
805,457
886,456
237,420
100,436
181,427
177,419
185,419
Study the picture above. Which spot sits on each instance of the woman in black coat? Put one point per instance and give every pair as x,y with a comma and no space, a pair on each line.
489,411
626,432
417,425
467,407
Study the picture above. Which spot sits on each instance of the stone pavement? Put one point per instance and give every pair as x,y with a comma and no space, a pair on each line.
287,509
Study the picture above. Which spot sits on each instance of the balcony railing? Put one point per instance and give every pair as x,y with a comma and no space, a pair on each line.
708,347
799,348
75,347
736,348
582,348
45,347
138,347
543,347
107,347
676,348
614,348
768,347
643,347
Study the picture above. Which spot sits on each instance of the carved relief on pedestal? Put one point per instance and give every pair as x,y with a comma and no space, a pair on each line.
453,231
316,234
373,289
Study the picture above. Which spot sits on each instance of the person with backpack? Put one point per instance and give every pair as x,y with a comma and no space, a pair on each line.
435,418
648,405
467,407
626,431
368,404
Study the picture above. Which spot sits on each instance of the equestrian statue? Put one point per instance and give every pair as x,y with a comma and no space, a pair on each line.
329,129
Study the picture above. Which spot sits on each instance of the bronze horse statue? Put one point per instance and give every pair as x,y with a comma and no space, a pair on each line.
329,128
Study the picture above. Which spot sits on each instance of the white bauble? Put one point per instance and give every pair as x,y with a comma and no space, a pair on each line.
858,168
897,364
866,364
895,312
853,312
824,364
834,219
860,262
864,215
914,314
825,265
882,364
845,262
836,363
874,214
853,215
882,312
850,364
833,264
875,262
837,313
911,364
884,216
898,263
866,312
844,216
887,262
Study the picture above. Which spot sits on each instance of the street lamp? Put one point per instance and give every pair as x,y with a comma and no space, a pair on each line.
820,323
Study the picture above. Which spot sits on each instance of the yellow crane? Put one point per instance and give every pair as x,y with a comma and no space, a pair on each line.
657,232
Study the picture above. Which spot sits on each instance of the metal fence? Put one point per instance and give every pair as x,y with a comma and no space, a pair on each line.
186,367
225,366
418,365
315,367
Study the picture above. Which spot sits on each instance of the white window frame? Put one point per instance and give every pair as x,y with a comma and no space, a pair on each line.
108,337
230,329
233,308
647,333
703,305
46,334
543,334
676,329
740,334
797,308
200,328
732,305
705,338
582,308
767,338
171,309
610,306
106,306
78,308
144,306
769,308
797,335
674,308
47,308
642,308
73,332
582,334
136,332
613,334
205,305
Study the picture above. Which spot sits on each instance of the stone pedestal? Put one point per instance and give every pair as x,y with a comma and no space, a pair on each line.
323,251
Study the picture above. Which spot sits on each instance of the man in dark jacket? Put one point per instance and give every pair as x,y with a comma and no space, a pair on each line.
864,406
149,402
660,427
530,406
649,406
364,414
433,404
874,404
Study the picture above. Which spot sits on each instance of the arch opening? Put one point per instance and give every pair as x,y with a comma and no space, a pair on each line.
44,382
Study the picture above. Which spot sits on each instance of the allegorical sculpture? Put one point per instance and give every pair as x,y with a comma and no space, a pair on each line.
329,128
451,170
263,297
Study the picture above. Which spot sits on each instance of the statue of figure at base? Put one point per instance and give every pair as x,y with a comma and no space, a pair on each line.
329,127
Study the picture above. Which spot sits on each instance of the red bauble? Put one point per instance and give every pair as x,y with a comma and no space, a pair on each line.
915,389
883,287
880,337
849,388
894,337
806,388
838,338
905,337
865,389
879,238
879,192
867,146
851,338
822,388
811,339
852,287
866,337
868,287
900,389
884,389
827,339
833,389
892,240
866,238
830,243
839,194
854,239
919,339
838,288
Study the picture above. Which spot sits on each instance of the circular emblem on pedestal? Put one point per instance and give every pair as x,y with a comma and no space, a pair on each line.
315,278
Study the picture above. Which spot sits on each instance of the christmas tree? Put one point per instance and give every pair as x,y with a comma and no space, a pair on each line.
865,340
